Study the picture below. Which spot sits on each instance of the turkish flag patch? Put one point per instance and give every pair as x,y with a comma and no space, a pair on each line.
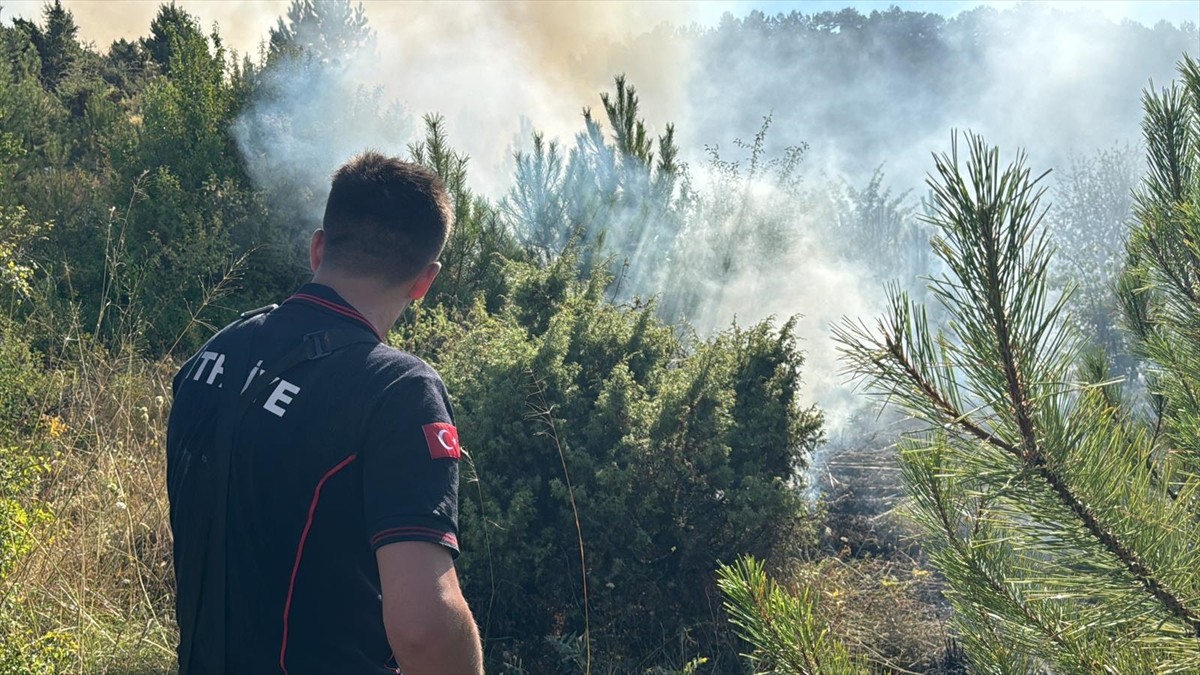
442,440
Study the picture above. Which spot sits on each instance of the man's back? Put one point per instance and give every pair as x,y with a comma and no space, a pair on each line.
340,456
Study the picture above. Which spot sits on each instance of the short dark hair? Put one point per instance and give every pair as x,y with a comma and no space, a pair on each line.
386,218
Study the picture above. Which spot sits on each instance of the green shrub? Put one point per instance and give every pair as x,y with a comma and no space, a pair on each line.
23,462
673,455
25,653
20,381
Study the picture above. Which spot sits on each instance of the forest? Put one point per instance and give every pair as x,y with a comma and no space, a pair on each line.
653,484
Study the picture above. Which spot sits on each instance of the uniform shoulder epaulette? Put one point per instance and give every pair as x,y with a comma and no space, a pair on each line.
255,312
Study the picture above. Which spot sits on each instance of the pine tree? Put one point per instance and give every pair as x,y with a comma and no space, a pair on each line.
479,246
1160,288
1064,521
620,193
171,26
787,630
321,30
128,67
620,199
57,44
537,202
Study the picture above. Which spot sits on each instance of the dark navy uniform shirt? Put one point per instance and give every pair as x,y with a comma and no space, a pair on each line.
340,456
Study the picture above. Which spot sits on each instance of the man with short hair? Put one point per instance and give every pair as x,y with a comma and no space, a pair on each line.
312,469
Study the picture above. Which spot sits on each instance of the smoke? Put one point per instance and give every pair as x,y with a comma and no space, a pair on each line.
888,91
309,117
891,88
494,71
488,66
862,92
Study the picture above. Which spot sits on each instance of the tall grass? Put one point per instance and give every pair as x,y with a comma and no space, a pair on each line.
92,589
98,577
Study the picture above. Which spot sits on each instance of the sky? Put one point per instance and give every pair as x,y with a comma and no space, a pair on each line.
245,24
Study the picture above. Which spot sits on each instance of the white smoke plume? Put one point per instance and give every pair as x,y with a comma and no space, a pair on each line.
1059,83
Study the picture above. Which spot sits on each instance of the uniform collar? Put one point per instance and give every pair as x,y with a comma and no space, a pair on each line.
325,298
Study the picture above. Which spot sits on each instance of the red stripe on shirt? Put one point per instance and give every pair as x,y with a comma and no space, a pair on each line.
447,538
312,510
335,307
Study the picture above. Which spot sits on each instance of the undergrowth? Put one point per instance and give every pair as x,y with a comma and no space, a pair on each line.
85,576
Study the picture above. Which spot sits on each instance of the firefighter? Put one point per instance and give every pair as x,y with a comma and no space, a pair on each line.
312,469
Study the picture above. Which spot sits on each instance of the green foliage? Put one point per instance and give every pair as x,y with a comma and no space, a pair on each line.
613,199
132,161
17,236
184,116
834,614
1059,521
172,28
678,456
320,30
537,201
21,383
27,113
23,463
57,43
620,193
1158,288
786,629
23,652
15,541
128,66
472,262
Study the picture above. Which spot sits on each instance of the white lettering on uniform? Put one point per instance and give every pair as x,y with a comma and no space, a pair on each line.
283,394
251,376
216,369
204,359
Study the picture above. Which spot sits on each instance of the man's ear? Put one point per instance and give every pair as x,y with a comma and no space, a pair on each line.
316,249
424,280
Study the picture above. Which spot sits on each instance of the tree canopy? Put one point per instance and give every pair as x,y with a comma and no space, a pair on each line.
633,453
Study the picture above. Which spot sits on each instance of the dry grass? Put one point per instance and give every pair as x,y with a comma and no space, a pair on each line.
885,610
98,583
99,576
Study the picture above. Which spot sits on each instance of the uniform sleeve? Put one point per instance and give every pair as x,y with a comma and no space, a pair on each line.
410,466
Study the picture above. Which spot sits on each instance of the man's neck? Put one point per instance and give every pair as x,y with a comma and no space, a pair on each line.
381,305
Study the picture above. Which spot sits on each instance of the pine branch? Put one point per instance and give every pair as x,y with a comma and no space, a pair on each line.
1032,458
1009,345
997,586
